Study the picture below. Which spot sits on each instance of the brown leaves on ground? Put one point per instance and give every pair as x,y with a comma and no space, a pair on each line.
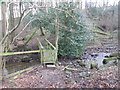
56,78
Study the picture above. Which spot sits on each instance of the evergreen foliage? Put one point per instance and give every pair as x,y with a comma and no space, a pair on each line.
72,36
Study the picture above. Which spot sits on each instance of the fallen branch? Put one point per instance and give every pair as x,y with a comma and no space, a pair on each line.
101,28
17,73
71,69
30,37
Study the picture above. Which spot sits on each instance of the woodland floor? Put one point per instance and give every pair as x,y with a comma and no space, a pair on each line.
42,77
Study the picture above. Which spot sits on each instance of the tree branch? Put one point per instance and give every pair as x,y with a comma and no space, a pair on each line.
25,28
20,20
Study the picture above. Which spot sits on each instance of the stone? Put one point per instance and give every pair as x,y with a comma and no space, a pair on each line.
94,55
94,65
105,61
50,66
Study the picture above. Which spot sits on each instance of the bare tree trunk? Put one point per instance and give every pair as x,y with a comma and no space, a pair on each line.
1,50
5,45
0,61
4,24
11,21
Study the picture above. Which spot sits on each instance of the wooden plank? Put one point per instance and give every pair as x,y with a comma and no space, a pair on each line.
50,44
40,44
15,53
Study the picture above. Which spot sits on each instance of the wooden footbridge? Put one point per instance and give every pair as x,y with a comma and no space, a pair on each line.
48,53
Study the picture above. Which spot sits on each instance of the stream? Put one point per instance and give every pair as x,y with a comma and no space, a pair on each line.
17,66
87,60
94,57
97,58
